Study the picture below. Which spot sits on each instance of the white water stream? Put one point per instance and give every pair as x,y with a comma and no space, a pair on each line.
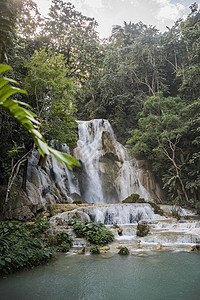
107,177
97,141
164,231
107,174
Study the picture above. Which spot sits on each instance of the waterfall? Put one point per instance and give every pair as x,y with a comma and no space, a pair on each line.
55,184
90,151
108,173
109,214
121,213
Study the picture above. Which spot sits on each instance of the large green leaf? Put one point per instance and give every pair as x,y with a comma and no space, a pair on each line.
64,157
28,119
4,68
8,91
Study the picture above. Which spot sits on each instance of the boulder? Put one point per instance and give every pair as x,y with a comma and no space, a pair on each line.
60,208
21,208
104,249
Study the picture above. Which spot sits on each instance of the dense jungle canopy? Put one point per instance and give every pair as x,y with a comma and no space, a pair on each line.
146,83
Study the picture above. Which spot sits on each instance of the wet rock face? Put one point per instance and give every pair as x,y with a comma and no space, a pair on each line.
109,168
107,174
21,208
148,181
108,146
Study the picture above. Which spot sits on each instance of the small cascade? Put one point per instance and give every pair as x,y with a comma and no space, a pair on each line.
53,185
108,174
164,232
110,214
79,243
121,214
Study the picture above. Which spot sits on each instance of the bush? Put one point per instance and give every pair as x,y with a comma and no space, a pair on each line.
64,247
63,236
37,228
157,209
95,233
18,248
64,241
52,240
73,221
133,198
123,251
95,249
142,230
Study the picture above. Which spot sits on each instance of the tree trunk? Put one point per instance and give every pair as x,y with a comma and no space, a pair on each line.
14,172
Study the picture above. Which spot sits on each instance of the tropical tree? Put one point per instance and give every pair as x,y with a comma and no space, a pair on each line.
28,120
165,137
6,27
51,94
72,34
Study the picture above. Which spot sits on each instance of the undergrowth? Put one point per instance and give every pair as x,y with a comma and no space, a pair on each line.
95,233
21,246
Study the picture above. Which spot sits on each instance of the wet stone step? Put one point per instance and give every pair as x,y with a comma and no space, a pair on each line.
79,243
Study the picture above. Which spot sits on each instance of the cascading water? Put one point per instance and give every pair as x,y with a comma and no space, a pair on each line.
55,184
108,176
163,230
121,213
90,151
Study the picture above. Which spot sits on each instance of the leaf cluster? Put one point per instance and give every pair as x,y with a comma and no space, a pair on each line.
123,251
95,233
64,241
142,230
19,249
27,118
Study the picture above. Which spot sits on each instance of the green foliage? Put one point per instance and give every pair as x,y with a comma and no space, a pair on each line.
95,233
64,241
27,119
52,95
157,209
168,146
19,249
94,249
73,34
133,198
64,247
51,240
110,80
63,236
73,221
123,251
29,20
6,27
198,208
38,228
142,230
